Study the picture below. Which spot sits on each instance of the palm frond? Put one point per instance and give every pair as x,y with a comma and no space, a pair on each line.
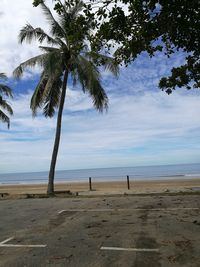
30,63
3,76
53,63
107,62
89,78
6,90
42,60
56,29
53,98
5,106
49,49
74,76
68,21
4,118
76,9
72,13
28,33
38,96
44,90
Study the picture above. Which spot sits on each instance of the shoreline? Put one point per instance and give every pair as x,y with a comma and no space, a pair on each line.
105,180
108,187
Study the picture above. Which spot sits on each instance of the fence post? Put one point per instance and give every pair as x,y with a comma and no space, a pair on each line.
128,183
90,183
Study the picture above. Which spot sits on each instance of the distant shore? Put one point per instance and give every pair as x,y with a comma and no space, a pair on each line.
150,186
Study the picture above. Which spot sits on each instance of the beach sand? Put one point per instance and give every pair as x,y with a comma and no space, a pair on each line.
110,187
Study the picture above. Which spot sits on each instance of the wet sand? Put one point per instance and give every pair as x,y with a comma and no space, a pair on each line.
110,187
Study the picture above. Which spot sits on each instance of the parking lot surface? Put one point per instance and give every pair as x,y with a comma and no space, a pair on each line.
128,231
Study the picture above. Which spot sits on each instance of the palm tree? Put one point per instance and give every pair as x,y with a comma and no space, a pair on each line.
66,53
5,91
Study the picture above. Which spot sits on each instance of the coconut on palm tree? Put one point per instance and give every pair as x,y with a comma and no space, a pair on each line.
5,108
65,54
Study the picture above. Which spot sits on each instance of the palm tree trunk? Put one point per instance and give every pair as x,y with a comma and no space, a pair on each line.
50,189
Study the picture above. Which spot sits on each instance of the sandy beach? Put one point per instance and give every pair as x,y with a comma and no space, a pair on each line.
110,187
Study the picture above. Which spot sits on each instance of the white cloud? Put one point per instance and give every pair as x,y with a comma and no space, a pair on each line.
143,125
14,15
165,126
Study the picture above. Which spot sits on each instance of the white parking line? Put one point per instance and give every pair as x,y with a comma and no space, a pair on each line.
131,249
3,244
120,210
5,241
22,246
84,210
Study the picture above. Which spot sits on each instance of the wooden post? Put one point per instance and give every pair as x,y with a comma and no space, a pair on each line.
90,183
128,183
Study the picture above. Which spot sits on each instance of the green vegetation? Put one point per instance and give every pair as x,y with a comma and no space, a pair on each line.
155,26
131,27
67,53
4,106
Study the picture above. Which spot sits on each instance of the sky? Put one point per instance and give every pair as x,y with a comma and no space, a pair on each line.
143,125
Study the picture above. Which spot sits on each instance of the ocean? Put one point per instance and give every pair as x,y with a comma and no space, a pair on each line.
182,171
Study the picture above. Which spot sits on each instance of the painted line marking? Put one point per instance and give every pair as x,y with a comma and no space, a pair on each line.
85,210
134,209
5,241
131,249
3,244
61,211
22,246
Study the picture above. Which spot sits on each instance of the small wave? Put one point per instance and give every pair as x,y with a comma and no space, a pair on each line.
192,175
10,183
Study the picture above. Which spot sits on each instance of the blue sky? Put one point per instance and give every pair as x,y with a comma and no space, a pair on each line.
143,126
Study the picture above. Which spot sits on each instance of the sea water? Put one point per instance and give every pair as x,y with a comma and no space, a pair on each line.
185,171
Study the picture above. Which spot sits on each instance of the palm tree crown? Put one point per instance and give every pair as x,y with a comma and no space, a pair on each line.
5,91
67,50
64,53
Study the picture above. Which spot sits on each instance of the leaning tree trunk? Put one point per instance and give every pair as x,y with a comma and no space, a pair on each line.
50,189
